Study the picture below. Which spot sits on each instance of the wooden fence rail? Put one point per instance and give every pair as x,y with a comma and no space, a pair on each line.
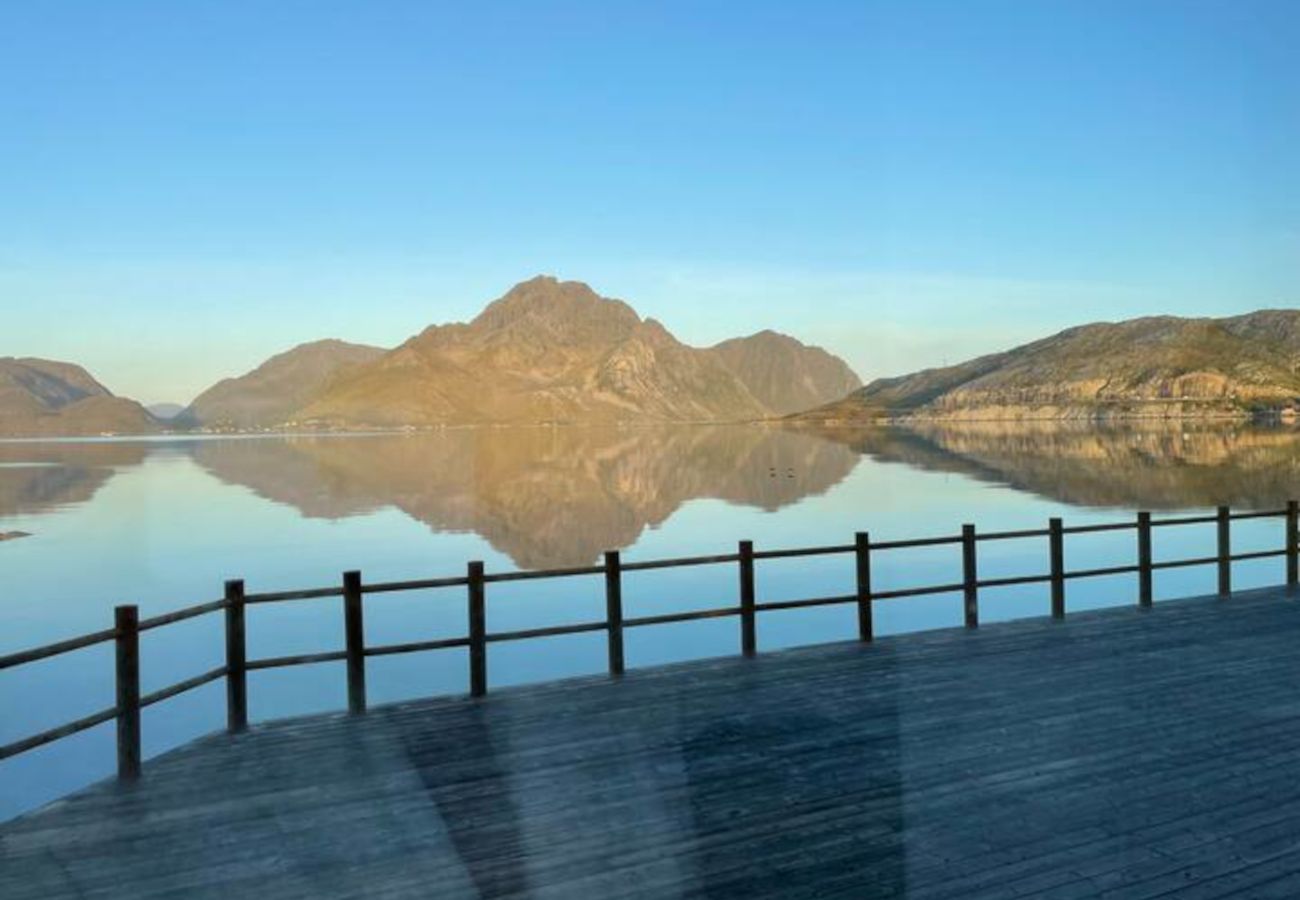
127,625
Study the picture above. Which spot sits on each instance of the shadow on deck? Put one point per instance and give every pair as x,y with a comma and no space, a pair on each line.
1125,752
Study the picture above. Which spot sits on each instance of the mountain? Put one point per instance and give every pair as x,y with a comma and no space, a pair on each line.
1164,367
272,392
44,398
165,410
786,375
552,351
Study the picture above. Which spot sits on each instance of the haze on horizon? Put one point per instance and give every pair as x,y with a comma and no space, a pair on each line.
187,190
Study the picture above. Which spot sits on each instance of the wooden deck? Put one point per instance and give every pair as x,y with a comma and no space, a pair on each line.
1124,753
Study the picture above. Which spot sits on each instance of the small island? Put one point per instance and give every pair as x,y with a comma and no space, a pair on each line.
13,535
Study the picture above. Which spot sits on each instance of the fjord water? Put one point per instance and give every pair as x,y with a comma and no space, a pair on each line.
163,522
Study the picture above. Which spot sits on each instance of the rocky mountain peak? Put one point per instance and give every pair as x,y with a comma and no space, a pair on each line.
564,309
556,351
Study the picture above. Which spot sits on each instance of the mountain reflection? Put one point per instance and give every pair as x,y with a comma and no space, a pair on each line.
40,477
544,496
1158,466
551,497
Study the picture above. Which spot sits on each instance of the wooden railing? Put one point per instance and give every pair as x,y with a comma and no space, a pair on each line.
127,625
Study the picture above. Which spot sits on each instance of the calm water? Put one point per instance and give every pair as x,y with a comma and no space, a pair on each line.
162,523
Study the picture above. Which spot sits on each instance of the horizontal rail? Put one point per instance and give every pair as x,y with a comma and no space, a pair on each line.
280,596
546,631
1258,514
682,561
181,615
55,734
1183,563
86,640
1109,526
181,687
804,551
801,604
918,591
544,573
1013,581
422,584
1011,535
915,542
691,616
1258,554
1184,520
275,662
1107,570
416,646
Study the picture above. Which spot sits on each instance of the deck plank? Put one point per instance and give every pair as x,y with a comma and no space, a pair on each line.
1126,753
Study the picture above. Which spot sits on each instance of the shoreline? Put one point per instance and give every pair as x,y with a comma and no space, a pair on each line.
1059,416
1064,417
162,437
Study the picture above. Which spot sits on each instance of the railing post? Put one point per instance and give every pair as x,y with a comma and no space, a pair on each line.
355,642
236,659
127,621
477,631
614,610
1292,543
1225,551
1056,548
1144,559
748,630
862,555
970,576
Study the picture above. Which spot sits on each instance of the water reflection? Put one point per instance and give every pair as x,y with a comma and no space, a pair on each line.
543,496
39,478
560,496
1142,465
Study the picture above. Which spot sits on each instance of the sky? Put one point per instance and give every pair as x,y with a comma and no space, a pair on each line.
188,188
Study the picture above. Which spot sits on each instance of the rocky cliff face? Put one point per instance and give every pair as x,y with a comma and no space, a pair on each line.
272,392
557,352
1162,367
44,398
786,375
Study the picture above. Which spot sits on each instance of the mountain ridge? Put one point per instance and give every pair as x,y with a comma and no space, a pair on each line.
550,352
1153,366
784,373
266,394
51,398
545,352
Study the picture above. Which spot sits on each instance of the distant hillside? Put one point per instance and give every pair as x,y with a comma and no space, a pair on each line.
786,375
272,392
165,410
44,398
552,351
1153,367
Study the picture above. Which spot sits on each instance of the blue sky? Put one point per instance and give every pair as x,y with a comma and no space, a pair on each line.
186,188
